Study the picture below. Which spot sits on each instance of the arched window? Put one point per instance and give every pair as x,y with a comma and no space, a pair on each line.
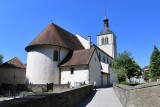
55,56
99,57
102,41
106,40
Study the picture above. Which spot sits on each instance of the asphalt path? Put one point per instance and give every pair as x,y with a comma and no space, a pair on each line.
102,97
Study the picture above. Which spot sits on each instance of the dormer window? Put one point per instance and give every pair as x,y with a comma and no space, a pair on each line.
55,55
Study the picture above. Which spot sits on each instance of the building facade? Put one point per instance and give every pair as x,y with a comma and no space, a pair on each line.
12,72
57,56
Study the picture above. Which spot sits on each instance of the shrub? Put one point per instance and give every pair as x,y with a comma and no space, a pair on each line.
155,78
50,90
124,83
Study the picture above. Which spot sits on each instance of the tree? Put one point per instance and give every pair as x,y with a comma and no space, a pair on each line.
136,69
121,74
121,64
146,76
1,59
154,67
124,66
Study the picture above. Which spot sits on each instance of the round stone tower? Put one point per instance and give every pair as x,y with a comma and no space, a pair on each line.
46,52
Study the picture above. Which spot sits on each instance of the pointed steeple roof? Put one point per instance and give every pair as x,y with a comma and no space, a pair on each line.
106,29
13,63
56,36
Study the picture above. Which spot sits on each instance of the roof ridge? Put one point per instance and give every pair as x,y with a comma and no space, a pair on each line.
14,62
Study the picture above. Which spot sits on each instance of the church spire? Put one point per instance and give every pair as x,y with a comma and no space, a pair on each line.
106,24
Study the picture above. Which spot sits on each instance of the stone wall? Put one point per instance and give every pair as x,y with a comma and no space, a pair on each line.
43,87
68,98
35,87
12,75
146,95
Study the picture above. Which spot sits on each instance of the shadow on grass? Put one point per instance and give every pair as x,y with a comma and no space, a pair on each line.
87,100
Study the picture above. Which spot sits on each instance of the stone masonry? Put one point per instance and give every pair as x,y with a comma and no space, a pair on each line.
68,98
146,95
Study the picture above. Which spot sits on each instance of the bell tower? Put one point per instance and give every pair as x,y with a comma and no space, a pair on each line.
106,40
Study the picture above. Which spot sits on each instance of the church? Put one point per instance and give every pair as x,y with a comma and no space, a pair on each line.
60,57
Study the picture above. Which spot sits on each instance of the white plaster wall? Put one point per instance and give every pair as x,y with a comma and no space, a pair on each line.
109,48
7,75
110,39
112,77
95,70
106,57
65,75
83,41
80,74
63,53
104,76
41,68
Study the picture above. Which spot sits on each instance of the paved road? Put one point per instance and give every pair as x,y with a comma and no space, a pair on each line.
103,97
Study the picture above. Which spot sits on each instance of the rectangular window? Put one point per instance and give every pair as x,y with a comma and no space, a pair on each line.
110,62
72,70
107,60
104,59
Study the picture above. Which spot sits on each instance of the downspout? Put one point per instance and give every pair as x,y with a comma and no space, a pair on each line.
59,63
89,74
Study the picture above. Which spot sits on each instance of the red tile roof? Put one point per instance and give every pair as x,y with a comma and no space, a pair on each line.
79,57
56,36
13,63
146,67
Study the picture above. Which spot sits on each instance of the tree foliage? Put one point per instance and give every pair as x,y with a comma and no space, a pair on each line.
154,67
134,70
146,76
121,74
125,66
1,59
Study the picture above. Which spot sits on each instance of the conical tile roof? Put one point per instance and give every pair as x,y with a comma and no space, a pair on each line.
56,36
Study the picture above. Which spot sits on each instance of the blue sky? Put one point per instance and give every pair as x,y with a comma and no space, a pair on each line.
135,23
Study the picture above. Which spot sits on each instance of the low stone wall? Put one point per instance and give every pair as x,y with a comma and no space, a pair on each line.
68,98
35,87
146,95
43,87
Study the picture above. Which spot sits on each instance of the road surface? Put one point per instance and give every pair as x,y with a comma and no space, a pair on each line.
103,97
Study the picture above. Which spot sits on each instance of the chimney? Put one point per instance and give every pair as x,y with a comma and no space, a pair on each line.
89,41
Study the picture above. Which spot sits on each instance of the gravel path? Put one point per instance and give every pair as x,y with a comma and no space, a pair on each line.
103,97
